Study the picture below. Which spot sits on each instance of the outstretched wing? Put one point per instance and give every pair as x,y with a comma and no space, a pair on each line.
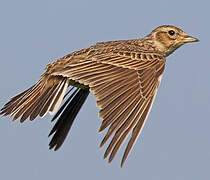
124,84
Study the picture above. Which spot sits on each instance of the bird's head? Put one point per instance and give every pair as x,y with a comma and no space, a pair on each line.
168,38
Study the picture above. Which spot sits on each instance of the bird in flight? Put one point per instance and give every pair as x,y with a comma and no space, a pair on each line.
123,76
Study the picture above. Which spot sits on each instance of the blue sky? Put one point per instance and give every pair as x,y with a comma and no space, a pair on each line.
175,141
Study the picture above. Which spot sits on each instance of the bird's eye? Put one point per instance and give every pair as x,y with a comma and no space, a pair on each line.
171,32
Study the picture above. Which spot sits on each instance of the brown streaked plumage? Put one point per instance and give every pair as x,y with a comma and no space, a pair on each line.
123,76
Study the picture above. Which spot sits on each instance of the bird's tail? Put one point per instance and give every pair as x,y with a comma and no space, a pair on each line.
66,115
45,96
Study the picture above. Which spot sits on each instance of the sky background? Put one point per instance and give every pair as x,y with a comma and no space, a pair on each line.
175,142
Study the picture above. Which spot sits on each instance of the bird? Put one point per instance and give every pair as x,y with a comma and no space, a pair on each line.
123,76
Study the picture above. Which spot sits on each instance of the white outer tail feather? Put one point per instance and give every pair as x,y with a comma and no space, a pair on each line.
58,103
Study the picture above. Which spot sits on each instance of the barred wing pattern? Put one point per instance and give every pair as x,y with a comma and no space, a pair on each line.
124,85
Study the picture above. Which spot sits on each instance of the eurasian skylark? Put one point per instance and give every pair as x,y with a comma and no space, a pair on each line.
123,76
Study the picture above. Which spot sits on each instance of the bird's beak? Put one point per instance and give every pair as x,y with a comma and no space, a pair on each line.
187,39
190,39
